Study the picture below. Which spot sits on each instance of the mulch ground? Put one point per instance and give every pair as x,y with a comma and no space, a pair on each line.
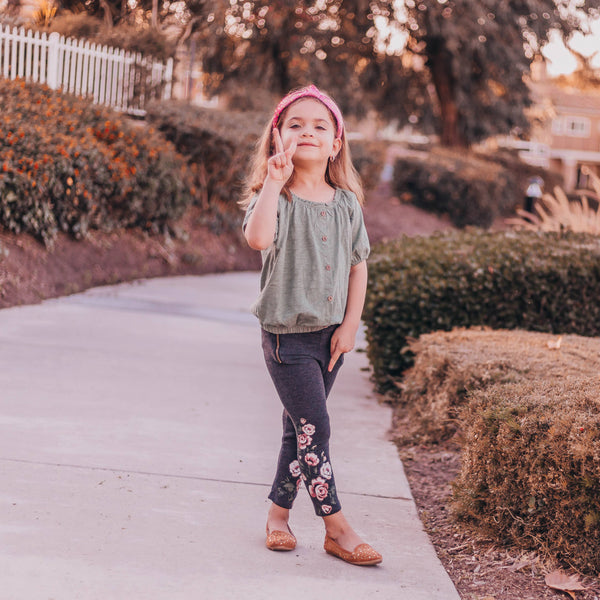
479,568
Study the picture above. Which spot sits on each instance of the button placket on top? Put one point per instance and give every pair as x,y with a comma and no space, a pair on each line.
325,222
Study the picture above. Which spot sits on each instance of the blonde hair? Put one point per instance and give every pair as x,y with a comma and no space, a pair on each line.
340,172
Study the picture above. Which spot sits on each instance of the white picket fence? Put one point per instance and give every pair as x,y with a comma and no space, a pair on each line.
114,77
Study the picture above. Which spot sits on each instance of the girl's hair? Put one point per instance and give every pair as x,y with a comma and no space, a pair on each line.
340,172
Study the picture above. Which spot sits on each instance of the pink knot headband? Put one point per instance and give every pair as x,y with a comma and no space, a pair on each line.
311,92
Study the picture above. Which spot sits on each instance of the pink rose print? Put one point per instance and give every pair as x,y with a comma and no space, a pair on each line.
312,460
298,483
304,441
309,429
318,489
295,468
326,508
302,421
326,470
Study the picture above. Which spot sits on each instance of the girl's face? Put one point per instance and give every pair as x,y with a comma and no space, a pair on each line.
311,123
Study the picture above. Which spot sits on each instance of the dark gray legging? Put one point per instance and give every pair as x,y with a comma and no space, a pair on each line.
297,363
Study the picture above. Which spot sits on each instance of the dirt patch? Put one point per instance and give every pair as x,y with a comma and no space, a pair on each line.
387,217
30,273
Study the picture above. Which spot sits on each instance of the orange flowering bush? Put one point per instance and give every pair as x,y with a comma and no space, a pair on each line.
67,165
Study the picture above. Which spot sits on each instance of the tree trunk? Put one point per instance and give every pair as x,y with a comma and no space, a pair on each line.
154,14
280,66
439,61
108,16
13,7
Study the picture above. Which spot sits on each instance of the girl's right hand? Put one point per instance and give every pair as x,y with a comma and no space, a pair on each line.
280,165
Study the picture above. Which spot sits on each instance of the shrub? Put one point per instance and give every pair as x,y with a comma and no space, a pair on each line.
68,165
218,146
535,281
471,189
531,469
527,411
369,159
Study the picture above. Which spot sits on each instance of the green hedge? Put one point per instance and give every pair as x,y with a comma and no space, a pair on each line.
67,165
369,159
218,146
471,189
537,282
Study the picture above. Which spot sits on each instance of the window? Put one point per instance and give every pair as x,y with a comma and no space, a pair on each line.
577,127
557,126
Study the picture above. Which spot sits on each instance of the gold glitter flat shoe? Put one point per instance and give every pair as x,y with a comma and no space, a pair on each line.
362,555
280,540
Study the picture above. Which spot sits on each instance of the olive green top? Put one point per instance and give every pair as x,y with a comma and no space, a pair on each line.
305,273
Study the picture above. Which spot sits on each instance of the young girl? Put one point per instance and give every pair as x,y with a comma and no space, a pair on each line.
304,214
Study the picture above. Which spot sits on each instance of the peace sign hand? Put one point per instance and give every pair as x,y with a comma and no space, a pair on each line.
280,165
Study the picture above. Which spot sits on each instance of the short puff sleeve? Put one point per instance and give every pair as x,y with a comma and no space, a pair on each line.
250,210
360,239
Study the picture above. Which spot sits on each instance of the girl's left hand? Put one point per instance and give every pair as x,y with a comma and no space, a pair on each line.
342,341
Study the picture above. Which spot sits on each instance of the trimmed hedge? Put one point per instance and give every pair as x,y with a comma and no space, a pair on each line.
531,468
67,165
471,189
535,281
218,146
369,159
526,411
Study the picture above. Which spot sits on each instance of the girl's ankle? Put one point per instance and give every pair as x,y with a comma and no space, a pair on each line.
334,531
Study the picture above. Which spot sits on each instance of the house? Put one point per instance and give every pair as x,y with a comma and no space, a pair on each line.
565,136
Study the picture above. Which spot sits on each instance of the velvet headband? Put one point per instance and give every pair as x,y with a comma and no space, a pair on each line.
311,92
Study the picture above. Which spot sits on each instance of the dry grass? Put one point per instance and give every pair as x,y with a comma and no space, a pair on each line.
44,13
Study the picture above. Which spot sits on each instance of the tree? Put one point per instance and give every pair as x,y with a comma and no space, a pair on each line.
477,54
462,69
280,45
142,26
113,12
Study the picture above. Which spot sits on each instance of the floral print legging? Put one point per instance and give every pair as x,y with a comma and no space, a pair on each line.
297,363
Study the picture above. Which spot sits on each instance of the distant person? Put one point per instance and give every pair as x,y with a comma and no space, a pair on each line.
304,213
533,193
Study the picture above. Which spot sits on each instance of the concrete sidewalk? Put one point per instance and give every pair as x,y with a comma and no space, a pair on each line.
138,436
